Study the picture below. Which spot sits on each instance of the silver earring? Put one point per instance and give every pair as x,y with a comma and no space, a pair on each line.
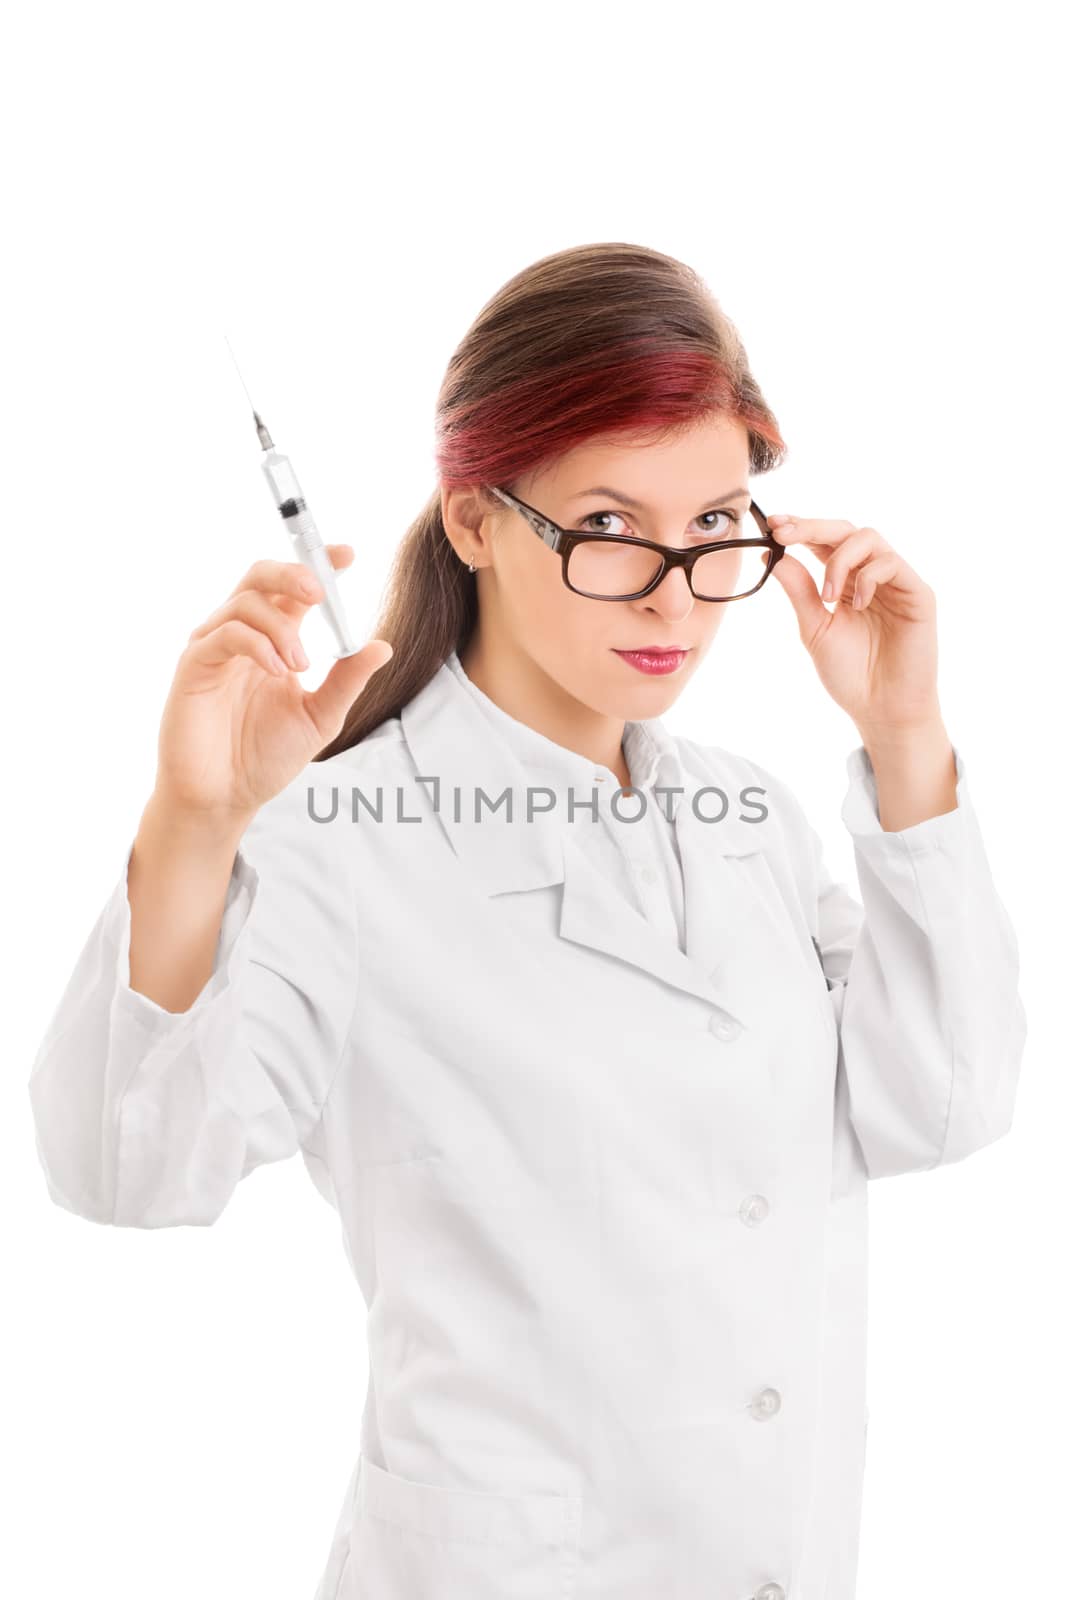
471,567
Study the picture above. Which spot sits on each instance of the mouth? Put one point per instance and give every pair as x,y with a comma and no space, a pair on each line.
655,659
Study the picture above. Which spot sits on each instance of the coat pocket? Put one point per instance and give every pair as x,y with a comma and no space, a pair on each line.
414,1539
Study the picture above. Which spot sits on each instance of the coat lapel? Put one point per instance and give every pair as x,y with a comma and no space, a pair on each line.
717,912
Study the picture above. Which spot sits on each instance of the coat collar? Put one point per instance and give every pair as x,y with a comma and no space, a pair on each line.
650,751
456,751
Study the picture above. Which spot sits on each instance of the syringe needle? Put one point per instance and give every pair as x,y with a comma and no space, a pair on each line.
261,427
233,358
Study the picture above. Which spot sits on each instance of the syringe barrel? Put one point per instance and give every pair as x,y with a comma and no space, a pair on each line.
289,497
307,544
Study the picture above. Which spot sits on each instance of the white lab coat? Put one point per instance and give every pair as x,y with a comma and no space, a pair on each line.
605,1199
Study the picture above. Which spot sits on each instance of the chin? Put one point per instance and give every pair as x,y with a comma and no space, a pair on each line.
647,697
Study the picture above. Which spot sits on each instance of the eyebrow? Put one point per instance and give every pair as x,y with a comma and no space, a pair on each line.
635,505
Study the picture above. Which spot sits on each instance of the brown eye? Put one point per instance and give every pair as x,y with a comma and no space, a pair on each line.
727,524
590,521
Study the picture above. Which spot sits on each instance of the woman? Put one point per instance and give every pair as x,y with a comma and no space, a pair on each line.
595,1079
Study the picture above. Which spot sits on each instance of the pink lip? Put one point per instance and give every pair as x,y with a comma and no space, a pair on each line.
653,659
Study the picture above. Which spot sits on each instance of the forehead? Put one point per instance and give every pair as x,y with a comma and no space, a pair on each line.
703,461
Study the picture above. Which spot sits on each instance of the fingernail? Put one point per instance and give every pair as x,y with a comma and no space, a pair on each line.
828,590
299,659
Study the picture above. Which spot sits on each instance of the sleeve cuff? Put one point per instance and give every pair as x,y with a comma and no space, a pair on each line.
859,810
241,895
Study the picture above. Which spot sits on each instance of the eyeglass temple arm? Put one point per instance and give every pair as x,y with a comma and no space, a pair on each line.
546,530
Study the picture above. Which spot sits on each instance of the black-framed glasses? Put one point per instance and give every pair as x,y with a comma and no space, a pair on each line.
611,566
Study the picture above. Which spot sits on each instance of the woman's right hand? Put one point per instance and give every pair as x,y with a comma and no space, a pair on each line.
238,725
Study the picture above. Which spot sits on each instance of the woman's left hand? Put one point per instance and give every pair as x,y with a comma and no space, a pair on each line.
876,657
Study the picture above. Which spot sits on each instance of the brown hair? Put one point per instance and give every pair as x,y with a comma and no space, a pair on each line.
599,339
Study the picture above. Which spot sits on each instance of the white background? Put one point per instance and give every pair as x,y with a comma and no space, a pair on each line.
874,196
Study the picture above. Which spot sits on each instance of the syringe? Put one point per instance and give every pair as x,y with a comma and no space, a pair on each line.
307,541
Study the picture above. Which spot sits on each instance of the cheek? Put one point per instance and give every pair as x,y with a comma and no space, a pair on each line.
709,620
576,633
553,623
532,595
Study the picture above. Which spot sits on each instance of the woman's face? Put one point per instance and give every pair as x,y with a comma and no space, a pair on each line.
682,493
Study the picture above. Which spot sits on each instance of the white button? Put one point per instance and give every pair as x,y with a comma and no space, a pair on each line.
648,874
724,1028
770,1591
766,1404
753,1209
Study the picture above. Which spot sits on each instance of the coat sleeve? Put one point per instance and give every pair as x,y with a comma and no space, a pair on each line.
150,1118
931,1022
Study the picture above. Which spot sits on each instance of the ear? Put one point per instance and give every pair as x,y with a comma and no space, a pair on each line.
467,514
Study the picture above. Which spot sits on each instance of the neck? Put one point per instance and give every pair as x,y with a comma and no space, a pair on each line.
520,687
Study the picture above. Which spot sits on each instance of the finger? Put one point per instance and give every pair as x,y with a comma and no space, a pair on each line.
329,704
850,553
293,579
260,611
799,585
341,558
298,608
290,578
233,639
788,529
881,569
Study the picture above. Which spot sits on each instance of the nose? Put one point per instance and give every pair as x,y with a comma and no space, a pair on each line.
671,599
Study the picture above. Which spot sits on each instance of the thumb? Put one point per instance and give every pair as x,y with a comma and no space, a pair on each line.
329,704
799,585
